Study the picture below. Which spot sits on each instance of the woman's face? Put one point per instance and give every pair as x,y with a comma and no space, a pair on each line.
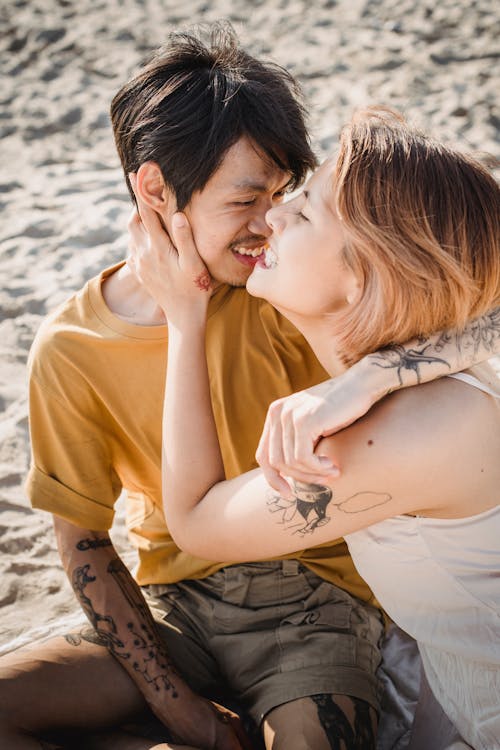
304,272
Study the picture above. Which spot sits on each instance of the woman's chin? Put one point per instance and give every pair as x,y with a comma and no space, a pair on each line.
256,285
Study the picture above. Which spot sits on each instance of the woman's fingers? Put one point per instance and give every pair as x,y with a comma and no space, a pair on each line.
287,445
272,475
300,435
190,261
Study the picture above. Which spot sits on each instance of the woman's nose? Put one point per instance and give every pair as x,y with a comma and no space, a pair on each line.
274,220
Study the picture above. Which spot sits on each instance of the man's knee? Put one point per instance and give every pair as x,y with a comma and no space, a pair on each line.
321,722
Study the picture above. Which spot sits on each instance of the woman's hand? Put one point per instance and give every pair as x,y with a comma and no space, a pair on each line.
295,424
171,270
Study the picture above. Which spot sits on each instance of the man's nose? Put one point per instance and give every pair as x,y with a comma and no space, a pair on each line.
258,224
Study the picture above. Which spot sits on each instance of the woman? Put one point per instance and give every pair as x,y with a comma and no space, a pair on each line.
396,237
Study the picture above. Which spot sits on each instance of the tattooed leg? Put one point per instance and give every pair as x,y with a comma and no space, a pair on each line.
321,722
348,722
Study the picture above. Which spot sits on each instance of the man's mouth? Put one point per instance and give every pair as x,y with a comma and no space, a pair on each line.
249,255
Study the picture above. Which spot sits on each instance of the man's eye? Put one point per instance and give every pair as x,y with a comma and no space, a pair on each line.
249,202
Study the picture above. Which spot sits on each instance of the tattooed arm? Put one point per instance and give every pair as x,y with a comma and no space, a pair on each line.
122,621
431,450
295,424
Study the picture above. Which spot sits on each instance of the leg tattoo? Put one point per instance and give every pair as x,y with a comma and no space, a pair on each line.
341,733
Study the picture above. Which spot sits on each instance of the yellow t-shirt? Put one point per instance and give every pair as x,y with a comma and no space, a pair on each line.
96,394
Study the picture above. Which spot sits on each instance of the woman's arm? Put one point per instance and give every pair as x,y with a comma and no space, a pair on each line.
394,457
431,450
176,277
294,424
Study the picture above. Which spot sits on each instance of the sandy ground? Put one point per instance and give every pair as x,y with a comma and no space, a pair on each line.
63,200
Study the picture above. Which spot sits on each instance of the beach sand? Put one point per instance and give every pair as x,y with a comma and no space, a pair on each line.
64,203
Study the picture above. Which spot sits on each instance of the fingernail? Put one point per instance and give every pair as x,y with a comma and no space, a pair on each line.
325,461
178,220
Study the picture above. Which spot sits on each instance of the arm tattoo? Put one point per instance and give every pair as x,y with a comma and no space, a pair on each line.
140,645
480,338
483,332
85,544
104,624
156,665
307,509
405,359
86,634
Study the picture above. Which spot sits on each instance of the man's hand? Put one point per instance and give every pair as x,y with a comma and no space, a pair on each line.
210,727
170,269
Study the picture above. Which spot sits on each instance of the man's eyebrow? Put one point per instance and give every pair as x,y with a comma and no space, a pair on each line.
257,187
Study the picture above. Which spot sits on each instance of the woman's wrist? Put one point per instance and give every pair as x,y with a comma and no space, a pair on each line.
372,379
191,319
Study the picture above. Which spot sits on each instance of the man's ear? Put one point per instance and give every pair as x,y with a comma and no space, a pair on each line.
150,187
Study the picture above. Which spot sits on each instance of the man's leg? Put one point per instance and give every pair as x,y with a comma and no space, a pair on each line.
321,722
294,649
66,683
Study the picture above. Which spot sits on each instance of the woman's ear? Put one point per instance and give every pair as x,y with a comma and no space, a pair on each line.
354,291
150,186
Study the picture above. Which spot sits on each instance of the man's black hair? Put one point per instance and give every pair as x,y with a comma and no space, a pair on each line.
195,99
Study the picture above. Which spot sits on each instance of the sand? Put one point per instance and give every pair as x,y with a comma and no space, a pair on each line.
63,200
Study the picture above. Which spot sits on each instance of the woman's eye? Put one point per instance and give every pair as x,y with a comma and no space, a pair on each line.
302,216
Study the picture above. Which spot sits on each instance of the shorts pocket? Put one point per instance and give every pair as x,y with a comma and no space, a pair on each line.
320,633
327,605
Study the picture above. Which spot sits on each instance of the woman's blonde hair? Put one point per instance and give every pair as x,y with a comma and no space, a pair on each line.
422,228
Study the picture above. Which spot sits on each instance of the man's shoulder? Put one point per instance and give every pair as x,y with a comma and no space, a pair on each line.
65,329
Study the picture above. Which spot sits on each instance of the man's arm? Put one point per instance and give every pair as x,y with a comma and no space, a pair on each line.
116,608
295,424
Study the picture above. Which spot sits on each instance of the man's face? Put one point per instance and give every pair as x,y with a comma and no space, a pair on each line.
228,216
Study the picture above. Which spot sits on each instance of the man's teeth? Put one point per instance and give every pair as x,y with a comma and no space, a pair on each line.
270,258
255,252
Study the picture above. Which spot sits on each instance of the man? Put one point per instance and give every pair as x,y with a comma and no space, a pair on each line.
220,135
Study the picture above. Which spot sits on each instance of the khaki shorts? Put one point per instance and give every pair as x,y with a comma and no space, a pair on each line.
271,632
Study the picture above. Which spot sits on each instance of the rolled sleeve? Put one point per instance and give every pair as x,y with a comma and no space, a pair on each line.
47,493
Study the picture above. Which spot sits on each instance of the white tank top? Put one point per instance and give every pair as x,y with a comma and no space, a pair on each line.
439,580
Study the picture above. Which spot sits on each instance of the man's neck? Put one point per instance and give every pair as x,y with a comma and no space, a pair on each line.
128,300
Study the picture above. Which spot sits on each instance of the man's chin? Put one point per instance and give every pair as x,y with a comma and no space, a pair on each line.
236,280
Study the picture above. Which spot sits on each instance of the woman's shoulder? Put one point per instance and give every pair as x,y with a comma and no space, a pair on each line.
440,438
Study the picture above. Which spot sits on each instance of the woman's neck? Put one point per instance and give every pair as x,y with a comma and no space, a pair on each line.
320,335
